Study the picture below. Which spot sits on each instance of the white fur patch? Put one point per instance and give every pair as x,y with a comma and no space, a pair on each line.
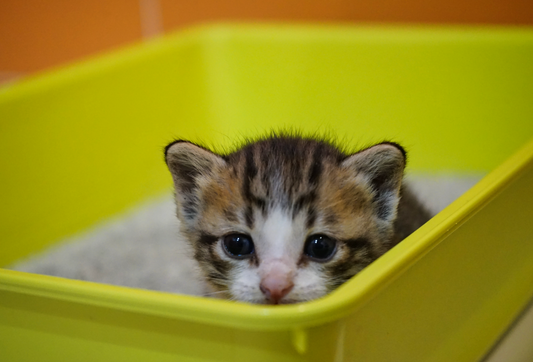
278,236
279,242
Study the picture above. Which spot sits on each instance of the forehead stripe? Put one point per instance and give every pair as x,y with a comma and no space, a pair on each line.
249,216
311,217
306,200
315,168
250,171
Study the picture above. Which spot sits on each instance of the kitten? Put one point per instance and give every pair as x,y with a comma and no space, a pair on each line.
288,219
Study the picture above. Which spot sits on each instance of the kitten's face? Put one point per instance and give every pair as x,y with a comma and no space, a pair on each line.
285,220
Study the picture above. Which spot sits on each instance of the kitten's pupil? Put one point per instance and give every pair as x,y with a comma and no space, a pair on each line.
238,245
320,247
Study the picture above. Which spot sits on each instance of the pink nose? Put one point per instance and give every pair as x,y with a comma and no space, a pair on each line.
275,287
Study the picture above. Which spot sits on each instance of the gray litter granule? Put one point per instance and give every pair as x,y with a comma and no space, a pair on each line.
438,191
143,248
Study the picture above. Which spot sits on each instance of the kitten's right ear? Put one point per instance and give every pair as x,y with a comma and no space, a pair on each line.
383,166
188,163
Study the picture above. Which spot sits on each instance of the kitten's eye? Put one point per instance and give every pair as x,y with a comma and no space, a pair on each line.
320,247
238,246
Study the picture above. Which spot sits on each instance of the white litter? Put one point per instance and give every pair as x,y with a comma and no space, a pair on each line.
143,248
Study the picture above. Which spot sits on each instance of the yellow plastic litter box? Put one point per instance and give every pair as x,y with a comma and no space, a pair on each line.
82,143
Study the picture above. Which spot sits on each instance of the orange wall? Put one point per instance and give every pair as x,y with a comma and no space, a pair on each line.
177,13
37,34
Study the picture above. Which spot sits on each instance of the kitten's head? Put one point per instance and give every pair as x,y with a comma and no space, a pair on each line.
285,219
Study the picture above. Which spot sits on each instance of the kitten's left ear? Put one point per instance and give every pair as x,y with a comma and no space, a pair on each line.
382,166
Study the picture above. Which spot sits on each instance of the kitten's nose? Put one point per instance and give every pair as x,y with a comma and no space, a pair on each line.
275,287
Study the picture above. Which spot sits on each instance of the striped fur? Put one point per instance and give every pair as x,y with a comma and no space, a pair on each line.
280,190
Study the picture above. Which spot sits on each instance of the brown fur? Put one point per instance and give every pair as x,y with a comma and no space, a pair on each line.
350,197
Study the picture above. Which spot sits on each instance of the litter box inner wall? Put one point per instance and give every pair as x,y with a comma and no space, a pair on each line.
458,99
86,142
88,139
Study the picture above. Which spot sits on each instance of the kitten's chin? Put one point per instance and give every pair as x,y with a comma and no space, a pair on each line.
281,302
255,299
265,301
